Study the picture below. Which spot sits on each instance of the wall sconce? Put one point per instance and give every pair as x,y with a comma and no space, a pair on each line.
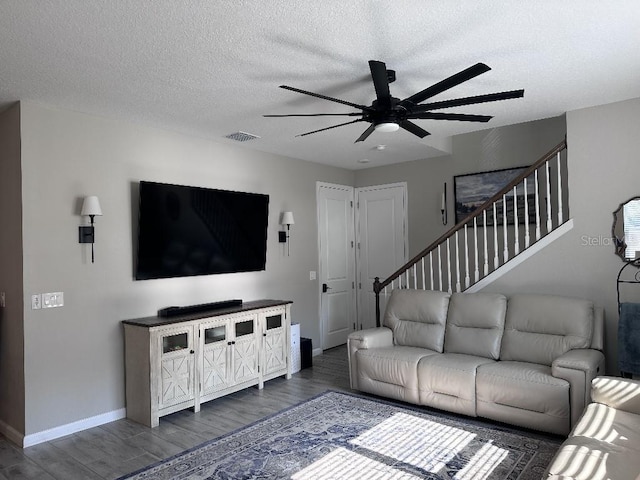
90,208
283,237
443,207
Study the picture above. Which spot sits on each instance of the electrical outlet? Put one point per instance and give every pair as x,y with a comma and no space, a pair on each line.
36,301
53,299
47,300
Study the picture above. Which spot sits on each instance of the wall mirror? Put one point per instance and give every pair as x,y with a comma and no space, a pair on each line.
626,230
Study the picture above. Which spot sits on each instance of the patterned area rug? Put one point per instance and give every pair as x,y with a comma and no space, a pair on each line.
343,436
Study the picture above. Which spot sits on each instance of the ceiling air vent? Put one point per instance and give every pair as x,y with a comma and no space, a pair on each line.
241,136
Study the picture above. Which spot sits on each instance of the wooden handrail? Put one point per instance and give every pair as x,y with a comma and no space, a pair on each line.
378,285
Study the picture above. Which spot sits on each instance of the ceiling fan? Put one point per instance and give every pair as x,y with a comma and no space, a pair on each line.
388,114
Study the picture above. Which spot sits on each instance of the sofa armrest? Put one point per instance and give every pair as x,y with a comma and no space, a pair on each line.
579,367
364,339
619,393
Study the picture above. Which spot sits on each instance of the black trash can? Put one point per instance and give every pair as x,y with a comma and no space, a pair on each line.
306,350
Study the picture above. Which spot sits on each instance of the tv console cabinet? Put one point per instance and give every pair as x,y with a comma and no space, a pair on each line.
173,363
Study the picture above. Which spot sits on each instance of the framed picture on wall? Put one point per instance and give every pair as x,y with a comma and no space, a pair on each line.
474,189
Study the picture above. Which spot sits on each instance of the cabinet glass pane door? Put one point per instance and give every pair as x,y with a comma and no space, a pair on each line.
274,321
215,359
275,357
245,351
176,369
215,334
172,343
244,328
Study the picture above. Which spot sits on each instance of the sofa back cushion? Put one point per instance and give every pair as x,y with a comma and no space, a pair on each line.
475,324
540,328
417,318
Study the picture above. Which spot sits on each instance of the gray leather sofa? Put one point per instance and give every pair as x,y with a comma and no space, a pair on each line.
527,360
605,443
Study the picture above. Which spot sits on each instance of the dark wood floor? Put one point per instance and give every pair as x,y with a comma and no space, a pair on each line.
120,447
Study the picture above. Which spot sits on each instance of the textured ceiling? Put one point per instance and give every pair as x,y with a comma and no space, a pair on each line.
211,68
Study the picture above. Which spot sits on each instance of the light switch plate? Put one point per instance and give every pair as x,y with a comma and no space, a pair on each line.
36,301
3,302
312,275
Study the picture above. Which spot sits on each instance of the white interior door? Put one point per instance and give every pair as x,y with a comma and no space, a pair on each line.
336,242
382,242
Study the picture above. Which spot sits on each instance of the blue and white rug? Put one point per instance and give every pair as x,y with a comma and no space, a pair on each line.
343,436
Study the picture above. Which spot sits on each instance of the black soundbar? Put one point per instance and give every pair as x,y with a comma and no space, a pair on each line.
202,307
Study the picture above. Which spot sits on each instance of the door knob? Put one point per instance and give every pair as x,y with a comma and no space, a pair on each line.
325,288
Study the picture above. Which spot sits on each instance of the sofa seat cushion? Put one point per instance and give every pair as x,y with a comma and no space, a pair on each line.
524,394
604,444
391,372
448,381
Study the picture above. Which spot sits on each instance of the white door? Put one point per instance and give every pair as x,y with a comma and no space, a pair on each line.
382,243
336,245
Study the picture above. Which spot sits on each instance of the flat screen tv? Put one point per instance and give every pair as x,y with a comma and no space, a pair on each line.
185,231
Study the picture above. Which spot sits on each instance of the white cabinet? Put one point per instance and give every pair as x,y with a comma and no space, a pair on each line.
180,362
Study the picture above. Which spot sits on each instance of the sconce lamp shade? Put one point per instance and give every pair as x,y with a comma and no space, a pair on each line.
287,218
91,206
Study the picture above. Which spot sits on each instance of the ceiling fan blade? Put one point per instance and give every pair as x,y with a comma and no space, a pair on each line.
380,81
446,84
324,97
450,116
366,133
413,128
329,128
459,102
352,114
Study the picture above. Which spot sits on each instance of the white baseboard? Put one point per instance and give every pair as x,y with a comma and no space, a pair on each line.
69,428
316,351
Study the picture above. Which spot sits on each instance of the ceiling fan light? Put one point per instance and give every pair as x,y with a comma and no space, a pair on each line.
387,127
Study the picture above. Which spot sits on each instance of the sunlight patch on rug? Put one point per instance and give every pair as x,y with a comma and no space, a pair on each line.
419,442
344,464
339,435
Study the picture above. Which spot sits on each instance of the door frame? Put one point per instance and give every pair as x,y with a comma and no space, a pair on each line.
323,326
358,233
356,238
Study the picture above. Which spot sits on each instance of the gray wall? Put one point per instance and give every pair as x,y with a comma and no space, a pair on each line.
492,149
603,145
74,355
11,326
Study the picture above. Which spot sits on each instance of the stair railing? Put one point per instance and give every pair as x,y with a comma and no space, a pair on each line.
536,204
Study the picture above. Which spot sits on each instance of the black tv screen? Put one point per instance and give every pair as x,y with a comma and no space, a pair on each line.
185,231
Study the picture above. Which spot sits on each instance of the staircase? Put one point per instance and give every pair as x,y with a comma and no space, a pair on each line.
516,219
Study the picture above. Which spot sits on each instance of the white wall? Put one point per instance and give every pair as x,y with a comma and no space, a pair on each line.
603,145
74,365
